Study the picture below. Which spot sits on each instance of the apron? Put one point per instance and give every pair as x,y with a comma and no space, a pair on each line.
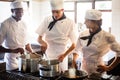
11,61
91,59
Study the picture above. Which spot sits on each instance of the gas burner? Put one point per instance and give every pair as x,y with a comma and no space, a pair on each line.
27,76
36,74
18,75
50,78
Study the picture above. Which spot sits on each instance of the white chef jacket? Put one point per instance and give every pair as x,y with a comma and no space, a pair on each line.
57,38
101,43
14,35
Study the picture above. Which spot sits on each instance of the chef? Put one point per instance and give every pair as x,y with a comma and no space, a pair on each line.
54,34
94,44
14,32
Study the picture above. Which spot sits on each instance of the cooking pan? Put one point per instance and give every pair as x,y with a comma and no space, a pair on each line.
29,62
49,68
79,75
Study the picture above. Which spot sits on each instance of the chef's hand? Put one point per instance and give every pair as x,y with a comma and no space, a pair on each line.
102,68
43,46
61,57
18,50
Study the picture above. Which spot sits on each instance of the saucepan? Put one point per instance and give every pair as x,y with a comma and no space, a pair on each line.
29,63
72,74
49,68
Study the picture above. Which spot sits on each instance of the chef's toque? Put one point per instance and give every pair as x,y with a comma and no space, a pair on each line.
16,4
93,14
57,4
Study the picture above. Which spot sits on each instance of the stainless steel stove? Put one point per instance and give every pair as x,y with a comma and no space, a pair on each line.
17,75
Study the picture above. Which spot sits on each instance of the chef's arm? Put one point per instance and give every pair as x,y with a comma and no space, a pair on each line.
43,44
114,63
116,48
75,57
3,49
61,57
40,40
29,48
70,49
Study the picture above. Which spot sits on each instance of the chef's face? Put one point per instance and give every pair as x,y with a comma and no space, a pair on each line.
90,24
57,13
17,13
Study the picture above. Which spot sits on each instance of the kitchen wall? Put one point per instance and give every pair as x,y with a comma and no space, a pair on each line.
38,10
42,11
5,11
115,29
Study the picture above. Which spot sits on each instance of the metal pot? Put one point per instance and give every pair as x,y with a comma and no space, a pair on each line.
79,75
49,68
29,62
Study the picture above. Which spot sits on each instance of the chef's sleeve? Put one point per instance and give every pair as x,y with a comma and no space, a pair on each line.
114,45
78,48
73,33
42,28
2,32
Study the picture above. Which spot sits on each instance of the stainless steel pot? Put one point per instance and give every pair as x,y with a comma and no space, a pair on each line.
29,63
49,68
79,75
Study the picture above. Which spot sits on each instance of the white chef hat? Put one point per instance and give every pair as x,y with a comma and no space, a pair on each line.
93,14
57,4
16,4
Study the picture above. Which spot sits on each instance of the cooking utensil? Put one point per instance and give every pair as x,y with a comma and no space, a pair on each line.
49,68
78,75
29,63
36,55
46,56
2,66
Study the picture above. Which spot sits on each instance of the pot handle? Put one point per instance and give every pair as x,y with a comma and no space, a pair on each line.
59,77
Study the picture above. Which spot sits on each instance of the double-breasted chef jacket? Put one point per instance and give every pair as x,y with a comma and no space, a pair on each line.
58,38
14,34
101,43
